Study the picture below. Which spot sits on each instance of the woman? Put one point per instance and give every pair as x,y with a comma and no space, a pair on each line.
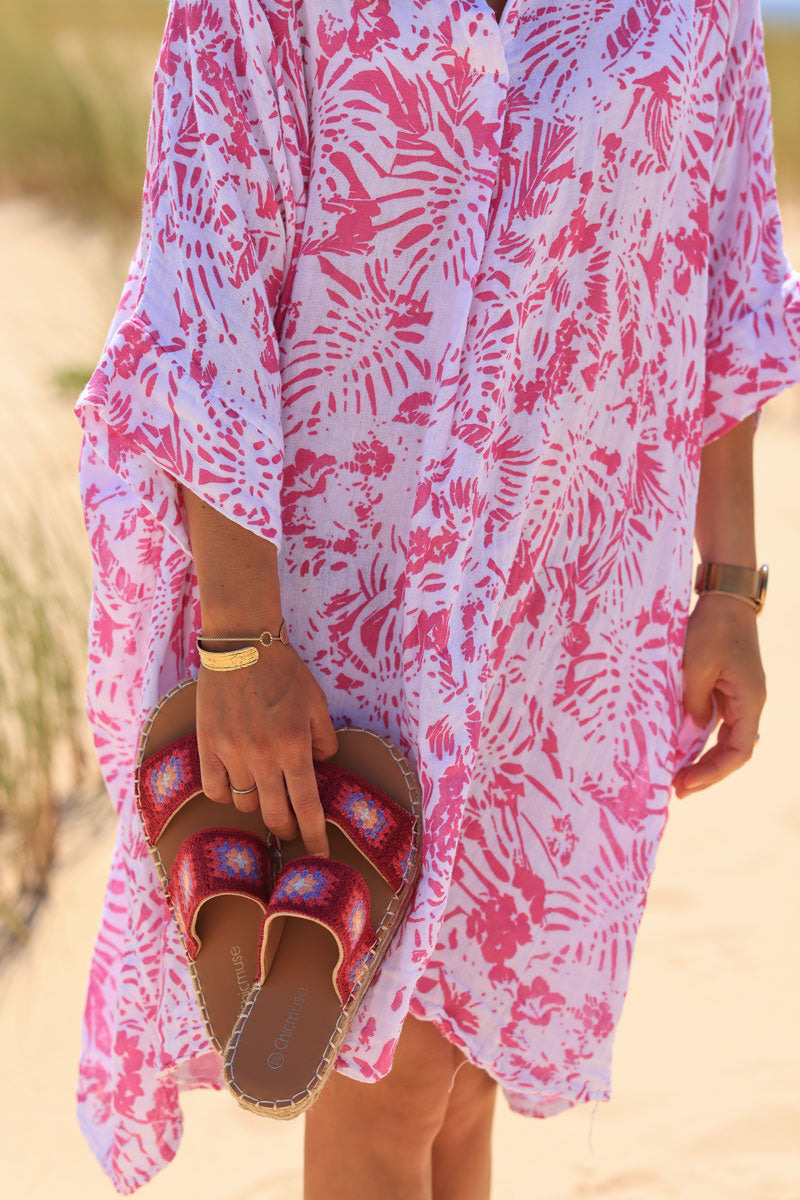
448,329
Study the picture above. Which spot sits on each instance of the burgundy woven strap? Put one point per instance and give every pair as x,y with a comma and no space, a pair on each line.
334,895
167,779
217,862
376,825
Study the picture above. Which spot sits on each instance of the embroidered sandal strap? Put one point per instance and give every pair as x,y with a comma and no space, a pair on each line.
217,862
332,894
166,780
381,829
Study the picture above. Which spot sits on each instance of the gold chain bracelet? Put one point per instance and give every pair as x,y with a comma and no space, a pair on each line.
234,660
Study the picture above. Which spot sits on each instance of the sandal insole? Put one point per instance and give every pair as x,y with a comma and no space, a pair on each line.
228,927
285,1036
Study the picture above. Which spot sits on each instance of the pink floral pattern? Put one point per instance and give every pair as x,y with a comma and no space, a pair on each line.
446,308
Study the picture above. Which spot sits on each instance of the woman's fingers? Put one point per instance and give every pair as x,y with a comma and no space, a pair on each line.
301,783
275,810
285,790
741,712
733,748
288,793
245,794
697,693
305,801
220,780
721,655
267,728
324,742
213,775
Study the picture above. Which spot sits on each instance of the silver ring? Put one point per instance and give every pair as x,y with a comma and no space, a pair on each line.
243,791
758,735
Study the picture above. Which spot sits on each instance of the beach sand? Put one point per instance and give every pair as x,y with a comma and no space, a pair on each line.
705,1105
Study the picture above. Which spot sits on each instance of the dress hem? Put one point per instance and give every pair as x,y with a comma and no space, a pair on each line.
567,1097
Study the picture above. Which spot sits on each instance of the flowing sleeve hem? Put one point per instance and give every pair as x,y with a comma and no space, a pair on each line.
752,360
236,467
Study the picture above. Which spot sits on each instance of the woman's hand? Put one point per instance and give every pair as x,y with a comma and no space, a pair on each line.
263,725
721,654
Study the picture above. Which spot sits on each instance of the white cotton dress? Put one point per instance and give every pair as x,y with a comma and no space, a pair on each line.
446,308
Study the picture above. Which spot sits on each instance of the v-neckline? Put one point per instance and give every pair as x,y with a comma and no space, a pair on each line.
497,17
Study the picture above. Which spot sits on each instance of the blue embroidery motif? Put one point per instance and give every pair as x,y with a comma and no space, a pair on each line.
357,969
366,815
356,918
313,884
403,861
186,882
168,779
236,860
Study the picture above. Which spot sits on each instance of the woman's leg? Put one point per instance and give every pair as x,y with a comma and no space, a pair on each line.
377,1139
462,1151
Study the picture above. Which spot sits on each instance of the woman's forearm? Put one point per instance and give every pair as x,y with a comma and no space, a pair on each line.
237,573
725,519
721,653
260,727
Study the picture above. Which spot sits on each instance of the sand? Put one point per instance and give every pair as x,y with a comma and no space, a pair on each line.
705,1103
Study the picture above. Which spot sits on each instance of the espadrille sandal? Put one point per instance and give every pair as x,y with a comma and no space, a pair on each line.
328,925
215,864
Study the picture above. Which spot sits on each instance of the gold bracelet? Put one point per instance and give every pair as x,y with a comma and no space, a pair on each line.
227,660
234,660
256,637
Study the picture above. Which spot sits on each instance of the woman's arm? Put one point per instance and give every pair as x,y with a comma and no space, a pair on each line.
721,651
265,723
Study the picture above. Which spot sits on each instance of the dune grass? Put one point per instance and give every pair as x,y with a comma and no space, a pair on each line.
782,50
71,380
75,84
44,745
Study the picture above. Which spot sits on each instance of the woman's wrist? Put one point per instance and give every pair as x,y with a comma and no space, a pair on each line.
236,616
240,612
727,600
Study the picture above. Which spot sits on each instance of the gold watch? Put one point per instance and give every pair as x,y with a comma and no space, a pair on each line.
750,583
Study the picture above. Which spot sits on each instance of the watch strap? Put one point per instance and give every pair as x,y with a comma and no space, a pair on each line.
748,582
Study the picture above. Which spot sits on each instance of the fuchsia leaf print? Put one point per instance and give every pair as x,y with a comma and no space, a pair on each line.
446,308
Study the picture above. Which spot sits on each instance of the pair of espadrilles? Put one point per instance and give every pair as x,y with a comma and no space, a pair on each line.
282,946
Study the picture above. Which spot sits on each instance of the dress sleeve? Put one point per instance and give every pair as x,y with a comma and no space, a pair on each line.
753,324
188,386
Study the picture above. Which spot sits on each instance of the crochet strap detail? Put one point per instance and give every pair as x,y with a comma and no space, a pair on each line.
334,895
381,829
167,779
217,862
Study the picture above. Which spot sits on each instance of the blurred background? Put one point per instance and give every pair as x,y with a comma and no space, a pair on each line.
707,1056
